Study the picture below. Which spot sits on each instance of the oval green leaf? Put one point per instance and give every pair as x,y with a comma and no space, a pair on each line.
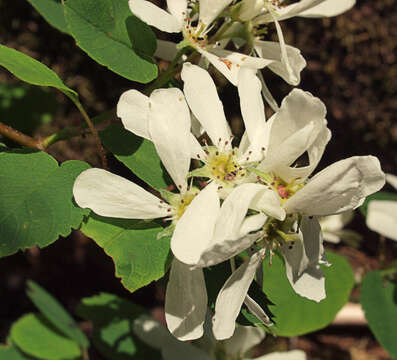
36,337
138,255
11,352
56,313
295,315
112,319
108,32
32,71
36,199
138,154
378,298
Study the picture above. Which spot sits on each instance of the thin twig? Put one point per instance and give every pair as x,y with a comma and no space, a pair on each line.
20,138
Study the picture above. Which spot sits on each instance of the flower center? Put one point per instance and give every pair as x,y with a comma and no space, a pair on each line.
180,202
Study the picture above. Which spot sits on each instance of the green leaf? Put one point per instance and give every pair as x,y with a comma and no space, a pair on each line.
108,32
56,313
32,71
138,154
112,319
378,298
37,337
26,107
380,195
36,199
138,255
295,315
11,352
52,11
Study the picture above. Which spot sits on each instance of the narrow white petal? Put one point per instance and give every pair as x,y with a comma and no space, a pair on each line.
133,110
202,97
231,297
312,240
382,218
251,103
229,63
328,8
336,222
297,8
178,9
169,127
194,230
268,95
210,9
392,180
155,16
185,302
196,150
166,50
340,187
250,9
111,195
272,51
311,284
243,339
287,355
256,310
268,202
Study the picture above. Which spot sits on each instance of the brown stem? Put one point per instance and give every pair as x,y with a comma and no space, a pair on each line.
20,138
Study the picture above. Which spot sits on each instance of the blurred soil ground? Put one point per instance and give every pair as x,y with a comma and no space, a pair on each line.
351,67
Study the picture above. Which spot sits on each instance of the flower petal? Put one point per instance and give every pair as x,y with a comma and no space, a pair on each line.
250,9
256,310
202,97
229,63
243,339
231,297
111,195
155,16
297,8
328,8
340,187
251,103
178,9
166,50
392,180
272,51
185,302
133,109
194,230
382,218
286,355
210,9
169,127
268,202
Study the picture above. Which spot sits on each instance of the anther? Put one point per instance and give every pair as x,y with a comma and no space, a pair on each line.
198,156
182,201
250,152
217,153
310,217
169,209
220,187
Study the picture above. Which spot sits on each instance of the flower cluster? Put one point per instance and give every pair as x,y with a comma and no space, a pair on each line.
256,195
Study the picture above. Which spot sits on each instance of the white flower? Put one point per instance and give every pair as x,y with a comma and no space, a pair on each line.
332,226
382,215
229,63
152,333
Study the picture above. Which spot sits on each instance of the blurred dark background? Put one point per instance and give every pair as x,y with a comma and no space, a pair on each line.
351,67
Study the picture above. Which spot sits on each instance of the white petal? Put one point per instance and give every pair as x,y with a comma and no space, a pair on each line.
336,222
297,8
133,109
382,218
267,94
111,195
251,103
392,180
229,63
202,97
272,50
311,284
269,203
256,310
185,302
250,9
340,187
178,9
169,127
210,9
287,355
166,50
231,297
194,230
243,339
329,8
155,16
312,240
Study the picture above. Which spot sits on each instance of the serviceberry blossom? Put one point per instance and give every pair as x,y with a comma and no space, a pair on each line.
196,19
